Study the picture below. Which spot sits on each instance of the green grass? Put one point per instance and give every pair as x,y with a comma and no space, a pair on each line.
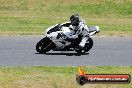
56,77
32,17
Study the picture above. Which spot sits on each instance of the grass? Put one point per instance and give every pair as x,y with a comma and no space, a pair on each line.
32,17
56,77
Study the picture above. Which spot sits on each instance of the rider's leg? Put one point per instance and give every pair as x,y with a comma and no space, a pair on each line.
83,42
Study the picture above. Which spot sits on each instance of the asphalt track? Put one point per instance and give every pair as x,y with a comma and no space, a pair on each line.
20,51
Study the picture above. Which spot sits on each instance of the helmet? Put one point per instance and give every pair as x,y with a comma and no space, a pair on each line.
74,20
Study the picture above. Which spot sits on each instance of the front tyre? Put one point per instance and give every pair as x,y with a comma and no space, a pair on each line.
44,45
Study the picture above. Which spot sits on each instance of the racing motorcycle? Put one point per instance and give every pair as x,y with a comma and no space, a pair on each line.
55,39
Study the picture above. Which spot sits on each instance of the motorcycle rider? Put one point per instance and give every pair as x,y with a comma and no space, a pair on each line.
78,27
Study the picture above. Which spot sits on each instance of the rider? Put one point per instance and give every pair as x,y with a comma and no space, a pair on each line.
77,28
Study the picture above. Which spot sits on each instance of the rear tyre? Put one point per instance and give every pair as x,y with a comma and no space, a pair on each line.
86,48
44,45
88,45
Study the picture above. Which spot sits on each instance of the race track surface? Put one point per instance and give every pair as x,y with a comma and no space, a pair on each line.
20,51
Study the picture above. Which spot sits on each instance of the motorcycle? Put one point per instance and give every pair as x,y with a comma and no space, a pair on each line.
55,39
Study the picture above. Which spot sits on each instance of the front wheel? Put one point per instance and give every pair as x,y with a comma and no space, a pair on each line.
44,45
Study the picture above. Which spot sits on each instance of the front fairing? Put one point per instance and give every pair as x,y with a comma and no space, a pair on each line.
65,24
52,33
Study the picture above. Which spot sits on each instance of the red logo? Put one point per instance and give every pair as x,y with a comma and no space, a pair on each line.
83,78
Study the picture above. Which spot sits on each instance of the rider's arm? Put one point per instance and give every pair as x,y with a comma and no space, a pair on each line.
79,31
75,35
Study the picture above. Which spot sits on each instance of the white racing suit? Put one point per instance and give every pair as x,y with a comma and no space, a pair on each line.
77,30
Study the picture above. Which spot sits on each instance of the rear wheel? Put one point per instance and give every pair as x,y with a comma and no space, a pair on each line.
44,45
88,45
86,48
